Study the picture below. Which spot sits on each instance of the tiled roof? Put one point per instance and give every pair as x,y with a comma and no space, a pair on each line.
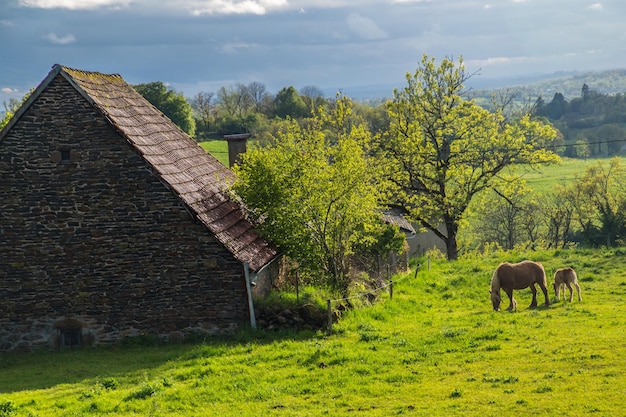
395,217
198,179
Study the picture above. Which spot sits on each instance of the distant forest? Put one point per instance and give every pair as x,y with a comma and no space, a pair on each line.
588,109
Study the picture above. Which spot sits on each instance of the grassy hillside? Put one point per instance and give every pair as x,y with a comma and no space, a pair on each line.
569,84
435,349
546,177
217,148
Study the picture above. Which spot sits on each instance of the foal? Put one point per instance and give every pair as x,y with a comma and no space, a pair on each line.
563,277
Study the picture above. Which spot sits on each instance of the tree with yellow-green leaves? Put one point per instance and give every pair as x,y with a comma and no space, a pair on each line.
600,203
442,149
12,107
315,192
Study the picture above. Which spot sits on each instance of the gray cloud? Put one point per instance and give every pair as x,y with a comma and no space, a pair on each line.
365,27
193,44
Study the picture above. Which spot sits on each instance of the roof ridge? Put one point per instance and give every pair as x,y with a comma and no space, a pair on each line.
86,73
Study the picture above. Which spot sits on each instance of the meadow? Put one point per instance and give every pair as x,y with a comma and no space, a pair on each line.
543,178
217,148
436,348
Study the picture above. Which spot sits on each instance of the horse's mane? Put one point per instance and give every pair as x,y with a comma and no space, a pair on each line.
495,282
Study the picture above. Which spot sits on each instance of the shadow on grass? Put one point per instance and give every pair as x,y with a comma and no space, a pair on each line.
46,369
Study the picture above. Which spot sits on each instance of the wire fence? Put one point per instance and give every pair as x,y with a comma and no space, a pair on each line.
367,294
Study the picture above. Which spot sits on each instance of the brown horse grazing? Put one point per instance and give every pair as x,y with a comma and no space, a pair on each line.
563,277
509,277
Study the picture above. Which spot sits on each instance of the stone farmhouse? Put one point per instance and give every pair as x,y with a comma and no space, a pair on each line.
115,223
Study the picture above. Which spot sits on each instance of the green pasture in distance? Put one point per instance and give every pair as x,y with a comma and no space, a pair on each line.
544,178
435,349
217,148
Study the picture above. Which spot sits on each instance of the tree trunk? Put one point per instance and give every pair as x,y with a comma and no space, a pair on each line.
451,247
452,228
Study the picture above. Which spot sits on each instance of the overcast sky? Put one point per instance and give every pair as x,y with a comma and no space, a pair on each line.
200,45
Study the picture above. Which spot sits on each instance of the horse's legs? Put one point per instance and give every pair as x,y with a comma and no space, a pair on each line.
545,294
512,302
533,304
556,291
578,290
571,292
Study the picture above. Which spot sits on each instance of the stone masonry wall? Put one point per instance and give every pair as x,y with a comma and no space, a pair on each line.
92,241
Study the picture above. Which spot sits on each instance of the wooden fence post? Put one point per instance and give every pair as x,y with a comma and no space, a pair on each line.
297,288
329,330
391,290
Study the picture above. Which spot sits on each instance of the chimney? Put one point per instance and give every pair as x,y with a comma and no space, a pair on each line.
236,146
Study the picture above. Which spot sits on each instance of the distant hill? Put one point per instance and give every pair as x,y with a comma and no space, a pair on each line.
591,120
568,83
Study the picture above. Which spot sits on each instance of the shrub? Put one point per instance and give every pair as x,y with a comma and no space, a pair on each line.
147,390
110,383
7,408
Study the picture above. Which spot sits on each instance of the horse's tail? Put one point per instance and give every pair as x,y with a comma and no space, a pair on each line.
543,278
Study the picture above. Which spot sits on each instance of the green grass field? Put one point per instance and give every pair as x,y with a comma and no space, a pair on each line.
217,148
435,349
545,177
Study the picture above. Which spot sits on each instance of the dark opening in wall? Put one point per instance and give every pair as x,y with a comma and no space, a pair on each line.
70,338
69,333
61,156
65,156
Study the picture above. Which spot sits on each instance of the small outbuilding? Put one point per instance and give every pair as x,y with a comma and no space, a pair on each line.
115,223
